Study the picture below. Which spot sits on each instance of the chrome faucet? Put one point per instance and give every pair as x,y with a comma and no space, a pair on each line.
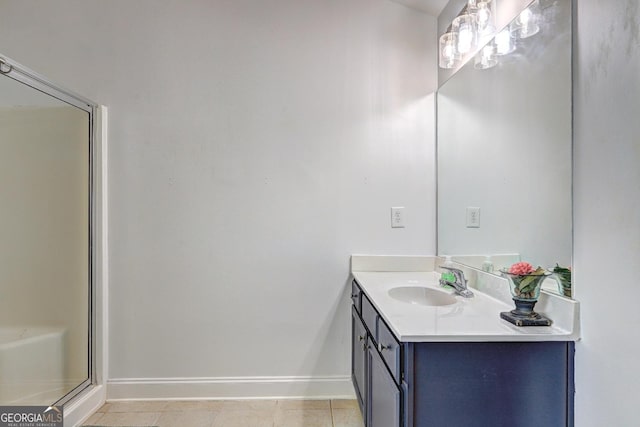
460,284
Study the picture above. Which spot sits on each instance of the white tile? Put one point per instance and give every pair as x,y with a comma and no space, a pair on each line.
256,405
94,419
138,406
189,405
344,404
193,418
129,419
304,418
347,418
104,408
243,418
303,404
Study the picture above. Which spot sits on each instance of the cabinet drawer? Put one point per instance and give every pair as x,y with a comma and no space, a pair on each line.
369,317
389,349
356,296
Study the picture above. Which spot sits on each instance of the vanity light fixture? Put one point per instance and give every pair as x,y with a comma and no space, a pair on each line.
475,26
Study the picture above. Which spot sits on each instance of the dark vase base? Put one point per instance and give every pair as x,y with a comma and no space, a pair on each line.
524,315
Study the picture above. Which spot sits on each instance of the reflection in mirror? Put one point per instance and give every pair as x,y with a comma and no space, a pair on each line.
504,149
44,250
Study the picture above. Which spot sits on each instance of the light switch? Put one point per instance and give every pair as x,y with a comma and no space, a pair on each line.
397,217
473,217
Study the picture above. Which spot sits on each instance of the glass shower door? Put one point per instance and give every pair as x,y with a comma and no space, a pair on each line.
45,245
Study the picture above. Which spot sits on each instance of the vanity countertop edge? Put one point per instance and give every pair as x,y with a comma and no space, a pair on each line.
475,319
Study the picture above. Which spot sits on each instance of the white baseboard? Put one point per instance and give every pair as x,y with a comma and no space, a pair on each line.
76,412
332,387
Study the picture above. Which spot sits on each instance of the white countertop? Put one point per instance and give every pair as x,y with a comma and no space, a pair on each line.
469,319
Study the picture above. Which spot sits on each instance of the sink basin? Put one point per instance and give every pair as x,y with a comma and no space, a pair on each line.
421,295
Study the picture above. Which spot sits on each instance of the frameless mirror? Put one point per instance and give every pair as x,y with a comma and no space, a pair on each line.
45,245
504,150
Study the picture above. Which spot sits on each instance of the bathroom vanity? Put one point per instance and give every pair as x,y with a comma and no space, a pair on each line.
432,358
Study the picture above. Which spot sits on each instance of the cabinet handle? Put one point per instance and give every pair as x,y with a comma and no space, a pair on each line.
360,338
383,347
354,295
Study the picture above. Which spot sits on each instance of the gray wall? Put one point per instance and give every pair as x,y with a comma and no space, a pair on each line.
606,206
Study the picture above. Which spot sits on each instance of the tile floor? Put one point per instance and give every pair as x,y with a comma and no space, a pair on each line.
230,413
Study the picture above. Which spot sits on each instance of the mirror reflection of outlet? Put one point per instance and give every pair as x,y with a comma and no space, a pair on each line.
473,217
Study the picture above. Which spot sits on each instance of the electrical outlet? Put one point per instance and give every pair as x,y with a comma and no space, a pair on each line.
397,217
473,217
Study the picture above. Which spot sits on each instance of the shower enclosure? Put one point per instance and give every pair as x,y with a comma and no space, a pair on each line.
46,240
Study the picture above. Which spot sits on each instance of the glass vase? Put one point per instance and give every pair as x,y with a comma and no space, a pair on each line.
525,286
525,291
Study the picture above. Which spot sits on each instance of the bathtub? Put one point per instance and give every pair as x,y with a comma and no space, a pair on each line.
31,364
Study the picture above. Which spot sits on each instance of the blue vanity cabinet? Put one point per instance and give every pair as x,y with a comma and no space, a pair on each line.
466,384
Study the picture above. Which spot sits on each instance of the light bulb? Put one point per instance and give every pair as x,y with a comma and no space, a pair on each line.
448,52
486,58
464,25
504,42
449,56
484,18
465,38
526,24
525,16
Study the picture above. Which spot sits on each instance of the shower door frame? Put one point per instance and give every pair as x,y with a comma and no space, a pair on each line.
24,75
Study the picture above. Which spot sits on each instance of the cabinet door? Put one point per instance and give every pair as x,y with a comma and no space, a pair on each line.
389,349
384,408
359,357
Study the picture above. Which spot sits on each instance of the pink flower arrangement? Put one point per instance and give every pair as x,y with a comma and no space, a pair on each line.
521,268
524,280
